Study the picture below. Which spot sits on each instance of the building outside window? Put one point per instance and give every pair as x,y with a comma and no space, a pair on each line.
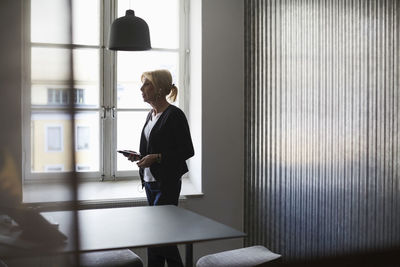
109,112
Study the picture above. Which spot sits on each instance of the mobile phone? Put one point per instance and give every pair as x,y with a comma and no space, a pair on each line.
130,153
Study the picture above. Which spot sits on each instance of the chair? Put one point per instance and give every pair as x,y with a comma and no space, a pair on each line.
112,258
243,257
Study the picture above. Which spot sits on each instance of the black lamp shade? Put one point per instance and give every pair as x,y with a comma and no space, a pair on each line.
129,33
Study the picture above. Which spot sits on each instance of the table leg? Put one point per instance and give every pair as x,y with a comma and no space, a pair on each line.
189,255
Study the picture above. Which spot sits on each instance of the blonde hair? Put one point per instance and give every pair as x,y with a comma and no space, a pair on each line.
162,80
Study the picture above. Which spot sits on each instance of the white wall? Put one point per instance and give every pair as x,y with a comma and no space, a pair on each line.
222,116
194,101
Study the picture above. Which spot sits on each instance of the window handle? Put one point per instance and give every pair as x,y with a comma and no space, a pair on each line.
103,112
113,112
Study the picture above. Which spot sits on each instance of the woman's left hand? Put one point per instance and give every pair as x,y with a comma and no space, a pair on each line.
147,161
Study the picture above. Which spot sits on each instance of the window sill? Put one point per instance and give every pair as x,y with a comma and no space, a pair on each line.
94,194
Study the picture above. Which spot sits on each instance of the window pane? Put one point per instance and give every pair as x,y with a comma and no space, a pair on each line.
49,21
87,141
129,128
87,76
51,141
162,17
50,75
130,68
50,64
86,24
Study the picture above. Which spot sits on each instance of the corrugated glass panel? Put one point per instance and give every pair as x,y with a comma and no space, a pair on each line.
322,144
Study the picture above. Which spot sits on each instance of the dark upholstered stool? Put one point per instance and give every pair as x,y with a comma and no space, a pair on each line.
242,257
112,258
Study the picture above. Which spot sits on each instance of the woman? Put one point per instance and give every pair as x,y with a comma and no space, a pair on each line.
165,145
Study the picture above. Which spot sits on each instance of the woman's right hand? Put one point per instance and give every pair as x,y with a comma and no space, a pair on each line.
147,161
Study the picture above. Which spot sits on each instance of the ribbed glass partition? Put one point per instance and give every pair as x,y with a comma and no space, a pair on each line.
322,119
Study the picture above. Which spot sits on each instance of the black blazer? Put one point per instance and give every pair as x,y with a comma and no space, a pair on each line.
170,136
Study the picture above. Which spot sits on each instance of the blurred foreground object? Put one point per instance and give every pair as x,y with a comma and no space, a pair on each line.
10,182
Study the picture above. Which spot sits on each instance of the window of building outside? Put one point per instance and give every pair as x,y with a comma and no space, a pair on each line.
54,140
82,138
109,112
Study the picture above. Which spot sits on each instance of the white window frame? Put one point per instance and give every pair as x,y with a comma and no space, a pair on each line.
108,98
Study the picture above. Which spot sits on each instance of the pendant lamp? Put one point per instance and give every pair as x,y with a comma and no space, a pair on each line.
129,33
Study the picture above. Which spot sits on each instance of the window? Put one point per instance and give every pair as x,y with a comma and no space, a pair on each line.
82,138
54,138
109,110
61,96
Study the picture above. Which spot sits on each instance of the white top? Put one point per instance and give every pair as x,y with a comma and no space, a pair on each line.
147,176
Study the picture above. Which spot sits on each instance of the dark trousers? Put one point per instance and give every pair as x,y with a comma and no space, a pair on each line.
157,195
